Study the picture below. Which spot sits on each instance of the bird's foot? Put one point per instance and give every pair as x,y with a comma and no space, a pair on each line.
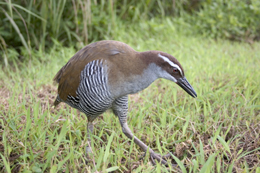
89,155
161,159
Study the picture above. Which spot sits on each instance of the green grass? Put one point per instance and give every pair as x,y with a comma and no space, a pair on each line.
216,132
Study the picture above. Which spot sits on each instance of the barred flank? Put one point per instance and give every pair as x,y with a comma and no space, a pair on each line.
93,96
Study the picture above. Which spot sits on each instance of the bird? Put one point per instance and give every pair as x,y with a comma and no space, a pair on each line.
102,74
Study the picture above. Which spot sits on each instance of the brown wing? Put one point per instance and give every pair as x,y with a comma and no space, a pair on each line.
68,76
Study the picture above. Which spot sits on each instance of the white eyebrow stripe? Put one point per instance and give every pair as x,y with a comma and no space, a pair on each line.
170,62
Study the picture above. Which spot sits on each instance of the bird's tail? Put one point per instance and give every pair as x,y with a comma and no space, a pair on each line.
57,101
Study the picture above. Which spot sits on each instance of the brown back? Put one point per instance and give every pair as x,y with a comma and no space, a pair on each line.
68,76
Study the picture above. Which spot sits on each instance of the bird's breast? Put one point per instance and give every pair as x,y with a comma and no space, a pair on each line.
130,83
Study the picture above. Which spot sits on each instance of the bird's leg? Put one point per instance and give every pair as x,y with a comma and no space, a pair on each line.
90,128
144,147
120,109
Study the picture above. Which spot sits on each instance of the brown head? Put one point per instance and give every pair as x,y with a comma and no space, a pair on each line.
170,67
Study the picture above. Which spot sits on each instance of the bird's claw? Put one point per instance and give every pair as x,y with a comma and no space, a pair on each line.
167,156
160,159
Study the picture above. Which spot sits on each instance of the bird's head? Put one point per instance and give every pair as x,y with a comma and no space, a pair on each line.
172,70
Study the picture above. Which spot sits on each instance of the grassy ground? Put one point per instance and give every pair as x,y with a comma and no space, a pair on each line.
216,132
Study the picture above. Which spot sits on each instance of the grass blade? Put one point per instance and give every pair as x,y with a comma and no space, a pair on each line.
217,133
17,30
114,168
224,144
27,11
108,147
186,125
230,168
6,164
208,165
202,158
181,165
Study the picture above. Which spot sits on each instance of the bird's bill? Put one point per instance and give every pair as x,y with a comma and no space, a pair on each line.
182,82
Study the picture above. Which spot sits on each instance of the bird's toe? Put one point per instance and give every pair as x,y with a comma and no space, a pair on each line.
161,159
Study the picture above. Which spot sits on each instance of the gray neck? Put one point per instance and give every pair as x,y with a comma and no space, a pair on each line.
137,83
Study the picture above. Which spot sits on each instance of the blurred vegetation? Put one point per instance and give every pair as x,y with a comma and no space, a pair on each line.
30,24
235,19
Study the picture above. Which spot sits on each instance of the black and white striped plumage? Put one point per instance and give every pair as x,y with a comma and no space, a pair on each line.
93,96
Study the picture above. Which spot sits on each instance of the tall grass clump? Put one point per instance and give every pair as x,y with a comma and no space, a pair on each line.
39,24
31,24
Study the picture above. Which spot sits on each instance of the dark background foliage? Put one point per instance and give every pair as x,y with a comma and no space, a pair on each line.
39,24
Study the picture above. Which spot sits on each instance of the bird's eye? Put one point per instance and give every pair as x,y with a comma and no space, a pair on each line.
175,70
